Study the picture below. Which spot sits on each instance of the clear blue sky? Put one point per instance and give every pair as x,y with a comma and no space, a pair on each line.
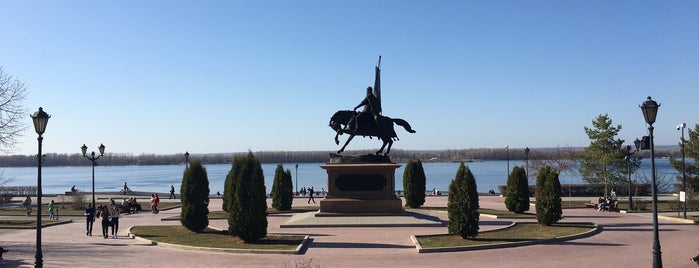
228,76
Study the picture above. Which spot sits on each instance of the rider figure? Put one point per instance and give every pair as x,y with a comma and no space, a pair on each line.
369,110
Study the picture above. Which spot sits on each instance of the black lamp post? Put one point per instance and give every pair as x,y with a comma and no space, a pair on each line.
629,153
681,127
297,179
40,119
507,148
650,110
93,158
526,162
186,159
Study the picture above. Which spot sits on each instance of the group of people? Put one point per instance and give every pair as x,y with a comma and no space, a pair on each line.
130,205
604,203
109,216
311,193
53,210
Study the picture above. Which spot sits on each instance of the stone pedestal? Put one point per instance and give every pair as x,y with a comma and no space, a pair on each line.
360,189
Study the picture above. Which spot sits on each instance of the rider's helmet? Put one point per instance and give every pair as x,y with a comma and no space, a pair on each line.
369,90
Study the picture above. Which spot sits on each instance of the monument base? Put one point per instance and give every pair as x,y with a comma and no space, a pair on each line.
340,206
360,189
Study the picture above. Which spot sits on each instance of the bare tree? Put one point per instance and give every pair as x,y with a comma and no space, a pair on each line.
12,93
12,111
562,160
664,182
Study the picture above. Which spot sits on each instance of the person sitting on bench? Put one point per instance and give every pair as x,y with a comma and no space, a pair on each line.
603,204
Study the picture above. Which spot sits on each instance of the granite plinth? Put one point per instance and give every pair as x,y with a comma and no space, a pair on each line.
360,189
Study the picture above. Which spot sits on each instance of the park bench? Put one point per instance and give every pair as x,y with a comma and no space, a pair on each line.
592,204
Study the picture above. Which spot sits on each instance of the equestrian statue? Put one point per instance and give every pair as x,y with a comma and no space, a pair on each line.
368,122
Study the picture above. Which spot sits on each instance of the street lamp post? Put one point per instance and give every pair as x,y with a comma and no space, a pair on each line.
93,158
629,153
40,119
681,127
526,162
507,148
297,179
650,110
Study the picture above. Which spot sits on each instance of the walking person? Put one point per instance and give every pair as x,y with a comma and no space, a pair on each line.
157,202
310,195
115,215
52,211
28,205
172,192
89,219
103,213
154,200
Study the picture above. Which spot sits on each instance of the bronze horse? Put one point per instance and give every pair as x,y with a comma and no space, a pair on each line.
384,131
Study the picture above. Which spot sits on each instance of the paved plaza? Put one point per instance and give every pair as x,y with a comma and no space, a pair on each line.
625,241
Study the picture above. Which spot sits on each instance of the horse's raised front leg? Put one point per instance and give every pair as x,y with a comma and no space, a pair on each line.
347,142
337,140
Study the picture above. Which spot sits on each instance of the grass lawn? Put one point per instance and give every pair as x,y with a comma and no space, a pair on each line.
517,233
213,238
29,222
67,210
220,214
18,223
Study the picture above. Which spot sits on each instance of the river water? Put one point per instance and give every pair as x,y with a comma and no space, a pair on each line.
56,180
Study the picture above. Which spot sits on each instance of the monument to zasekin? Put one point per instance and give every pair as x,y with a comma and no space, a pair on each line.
363,184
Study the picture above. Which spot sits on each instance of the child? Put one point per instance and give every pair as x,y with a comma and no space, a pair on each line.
52,211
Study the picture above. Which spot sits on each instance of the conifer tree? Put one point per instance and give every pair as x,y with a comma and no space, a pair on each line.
282,189
548,197
463,204
248,216
517,194
194,194
229,185
414,184
604,161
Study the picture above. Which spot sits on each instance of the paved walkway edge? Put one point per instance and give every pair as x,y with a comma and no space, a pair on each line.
297,251
420,249
43,225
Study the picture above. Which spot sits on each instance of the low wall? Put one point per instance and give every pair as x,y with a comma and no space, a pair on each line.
592,189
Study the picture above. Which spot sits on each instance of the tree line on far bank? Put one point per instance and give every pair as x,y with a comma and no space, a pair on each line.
401,156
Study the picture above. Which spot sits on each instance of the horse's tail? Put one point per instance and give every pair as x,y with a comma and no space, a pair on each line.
403,124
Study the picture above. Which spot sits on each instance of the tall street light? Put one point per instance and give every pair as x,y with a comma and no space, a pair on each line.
93,158
526,162
297,179
507,148
40,119
629,153
650,110
681,127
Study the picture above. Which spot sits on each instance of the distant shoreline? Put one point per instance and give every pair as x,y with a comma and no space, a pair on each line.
398,156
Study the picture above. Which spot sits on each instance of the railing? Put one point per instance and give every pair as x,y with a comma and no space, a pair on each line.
18,191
